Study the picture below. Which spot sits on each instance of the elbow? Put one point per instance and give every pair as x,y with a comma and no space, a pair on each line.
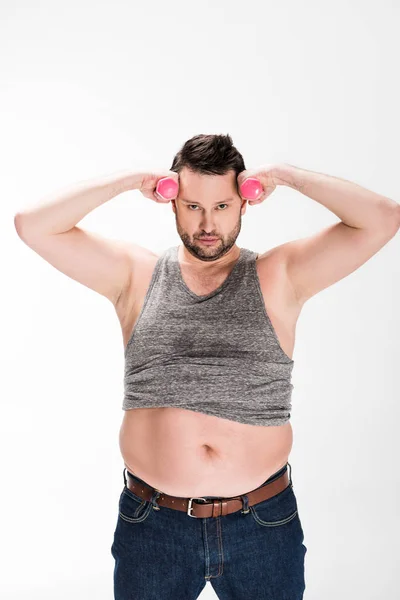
18,224
391,218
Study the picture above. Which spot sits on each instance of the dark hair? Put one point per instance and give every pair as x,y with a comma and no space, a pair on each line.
209,155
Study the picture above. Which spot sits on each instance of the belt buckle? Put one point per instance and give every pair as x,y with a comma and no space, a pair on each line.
190,506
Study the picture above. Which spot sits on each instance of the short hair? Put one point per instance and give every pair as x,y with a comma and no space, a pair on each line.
212,154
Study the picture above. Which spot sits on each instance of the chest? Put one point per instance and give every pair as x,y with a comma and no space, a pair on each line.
276,292
201,285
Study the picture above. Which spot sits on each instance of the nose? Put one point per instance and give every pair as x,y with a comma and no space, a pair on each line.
208,225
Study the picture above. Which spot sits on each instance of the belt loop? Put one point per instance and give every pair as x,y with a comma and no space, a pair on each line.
156,494
245,504
124,476
290,475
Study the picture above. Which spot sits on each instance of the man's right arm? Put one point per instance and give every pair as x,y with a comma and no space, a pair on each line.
98,263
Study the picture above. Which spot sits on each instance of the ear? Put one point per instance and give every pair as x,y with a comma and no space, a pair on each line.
173,205
243,207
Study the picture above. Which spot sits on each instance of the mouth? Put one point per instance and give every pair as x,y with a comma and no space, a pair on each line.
208,240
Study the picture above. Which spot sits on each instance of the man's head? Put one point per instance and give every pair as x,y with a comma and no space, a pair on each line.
208,203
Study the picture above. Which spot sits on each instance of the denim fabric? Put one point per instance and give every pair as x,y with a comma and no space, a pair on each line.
165,554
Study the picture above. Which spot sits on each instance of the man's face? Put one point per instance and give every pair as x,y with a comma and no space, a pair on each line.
208,206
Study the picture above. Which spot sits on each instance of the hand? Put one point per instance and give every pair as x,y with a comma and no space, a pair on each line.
149,183
266,175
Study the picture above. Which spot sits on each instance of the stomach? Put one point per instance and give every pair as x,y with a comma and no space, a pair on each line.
186,453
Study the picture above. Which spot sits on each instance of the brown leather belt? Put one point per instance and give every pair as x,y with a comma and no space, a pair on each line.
214,507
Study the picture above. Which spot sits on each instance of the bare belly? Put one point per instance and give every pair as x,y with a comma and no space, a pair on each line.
185,453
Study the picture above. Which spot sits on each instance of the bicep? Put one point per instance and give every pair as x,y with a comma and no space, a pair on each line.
100,264
318,261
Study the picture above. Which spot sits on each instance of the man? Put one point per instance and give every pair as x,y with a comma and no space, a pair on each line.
208,332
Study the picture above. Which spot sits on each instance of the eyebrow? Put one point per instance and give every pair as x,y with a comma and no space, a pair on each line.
220,202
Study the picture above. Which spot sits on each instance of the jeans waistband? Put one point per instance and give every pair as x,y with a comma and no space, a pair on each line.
270,478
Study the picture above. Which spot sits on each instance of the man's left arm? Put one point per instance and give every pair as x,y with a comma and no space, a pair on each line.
368,222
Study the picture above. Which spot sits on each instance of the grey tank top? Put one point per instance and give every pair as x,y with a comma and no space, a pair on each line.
216,354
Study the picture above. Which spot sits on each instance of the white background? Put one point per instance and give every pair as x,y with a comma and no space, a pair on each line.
88,88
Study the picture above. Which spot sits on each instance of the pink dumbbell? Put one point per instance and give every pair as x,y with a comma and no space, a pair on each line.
167,188
251,188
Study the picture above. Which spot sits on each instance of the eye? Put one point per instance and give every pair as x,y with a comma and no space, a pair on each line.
223,204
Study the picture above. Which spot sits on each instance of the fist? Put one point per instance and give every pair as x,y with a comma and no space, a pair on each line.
149,184
265,175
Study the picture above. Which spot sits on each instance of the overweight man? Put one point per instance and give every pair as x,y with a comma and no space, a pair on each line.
208,334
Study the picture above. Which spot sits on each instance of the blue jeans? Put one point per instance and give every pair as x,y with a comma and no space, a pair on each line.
167,555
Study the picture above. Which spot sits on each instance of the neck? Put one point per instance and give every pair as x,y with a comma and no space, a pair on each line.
210,266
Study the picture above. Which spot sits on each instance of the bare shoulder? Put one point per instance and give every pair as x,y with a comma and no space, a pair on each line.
274,279
141,262
280,301
138,253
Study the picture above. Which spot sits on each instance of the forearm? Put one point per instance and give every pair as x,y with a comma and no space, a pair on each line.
353,204
66,209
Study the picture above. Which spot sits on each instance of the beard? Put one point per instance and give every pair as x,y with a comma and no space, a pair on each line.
208,253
